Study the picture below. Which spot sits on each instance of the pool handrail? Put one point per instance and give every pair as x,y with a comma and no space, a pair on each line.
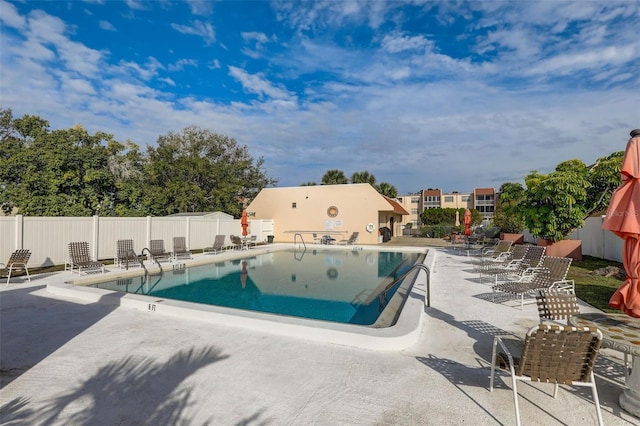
425,268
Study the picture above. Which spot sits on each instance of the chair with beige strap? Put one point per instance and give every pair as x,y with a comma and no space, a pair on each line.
559,355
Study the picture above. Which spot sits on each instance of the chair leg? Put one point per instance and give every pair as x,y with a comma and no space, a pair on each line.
596,401
494,358
515,400
27,271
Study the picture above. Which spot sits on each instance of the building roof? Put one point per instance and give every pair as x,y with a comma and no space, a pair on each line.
484,191
397,208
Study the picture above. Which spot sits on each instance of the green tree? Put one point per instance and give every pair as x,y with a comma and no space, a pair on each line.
52,173
126,163
508,216
334,177
604,177
308,184
199,170
555,203
387,189
363,177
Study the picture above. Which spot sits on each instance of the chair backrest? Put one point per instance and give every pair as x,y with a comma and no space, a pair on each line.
236,240
179,244
20,256
354,237
218,242
79,252
533,256
556,305
503,246
559,354
156,247
124,248
552,269
518,252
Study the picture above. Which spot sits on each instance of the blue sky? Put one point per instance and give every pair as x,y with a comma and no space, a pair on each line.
451,95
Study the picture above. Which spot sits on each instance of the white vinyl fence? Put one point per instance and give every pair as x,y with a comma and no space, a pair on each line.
48,237
596,241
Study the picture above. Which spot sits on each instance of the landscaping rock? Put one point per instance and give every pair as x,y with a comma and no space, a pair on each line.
610,271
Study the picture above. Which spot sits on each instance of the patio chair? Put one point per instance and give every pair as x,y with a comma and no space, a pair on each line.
559,306
180,250
17,261
253,241
554,305
531,258
507,261
126,255
495,253
80,260
235,244
217,247
549,275
158,252
552,354
316,239
351,240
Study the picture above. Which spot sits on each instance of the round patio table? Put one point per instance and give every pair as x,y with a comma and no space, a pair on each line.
621,333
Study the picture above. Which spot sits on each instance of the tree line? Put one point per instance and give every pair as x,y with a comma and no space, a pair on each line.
71,172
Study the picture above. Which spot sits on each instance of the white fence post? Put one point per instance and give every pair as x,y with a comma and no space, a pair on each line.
149,236
95,240
19,232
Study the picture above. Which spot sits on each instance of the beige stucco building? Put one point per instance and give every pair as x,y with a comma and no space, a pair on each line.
336,210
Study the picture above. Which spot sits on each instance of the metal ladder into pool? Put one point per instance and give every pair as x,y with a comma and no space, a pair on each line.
425,268
295,238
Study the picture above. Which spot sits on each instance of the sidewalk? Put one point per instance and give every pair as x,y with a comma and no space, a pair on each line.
65,362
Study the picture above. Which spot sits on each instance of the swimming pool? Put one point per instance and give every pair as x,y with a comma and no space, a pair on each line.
406,310
344,286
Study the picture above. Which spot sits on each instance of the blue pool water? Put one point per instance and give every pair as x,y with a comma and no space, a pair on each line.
326,284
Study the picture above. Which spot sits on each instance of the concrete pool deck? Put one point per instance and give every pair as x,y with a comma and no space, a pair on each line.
68,361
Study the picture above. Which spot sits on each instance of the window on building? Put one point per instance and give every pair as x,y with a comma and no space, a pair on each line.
293,205
464,198
448,199
414,211
415,199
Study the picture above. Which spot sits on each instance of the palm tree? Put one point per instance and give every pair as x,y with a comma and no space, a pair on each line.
363,177
334,177
387,189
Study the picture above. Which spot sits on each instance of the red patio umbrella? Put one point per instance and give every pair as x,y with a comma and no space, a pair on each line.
245,223
467,222
623,219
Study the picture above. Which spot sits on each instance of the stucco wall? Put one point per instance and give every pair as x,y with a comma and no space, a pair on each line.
305,209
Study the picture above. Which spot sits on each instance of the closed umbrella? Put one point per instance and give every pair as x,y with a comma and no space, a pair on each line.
457,218
245,223
467,222
623,219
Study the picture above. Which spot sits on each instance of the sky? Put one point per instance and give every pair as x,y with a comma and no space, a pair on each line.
451,95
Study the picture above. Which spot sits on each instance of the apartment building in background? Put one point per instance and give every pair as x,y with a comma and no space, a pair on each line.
482,199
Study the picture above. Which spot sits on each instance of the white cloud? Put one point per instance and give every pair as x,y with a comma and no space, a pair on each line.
200,7
564,64
396,42
107,26
10,16
182,63
197,28
257,84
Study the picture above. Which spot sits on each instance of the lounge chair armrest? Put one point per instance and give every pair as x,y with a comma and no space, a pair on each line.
564,285
497,341
502,256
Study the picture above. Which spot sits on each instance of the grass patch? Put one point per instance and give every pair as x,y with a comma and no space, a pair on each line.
595,290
